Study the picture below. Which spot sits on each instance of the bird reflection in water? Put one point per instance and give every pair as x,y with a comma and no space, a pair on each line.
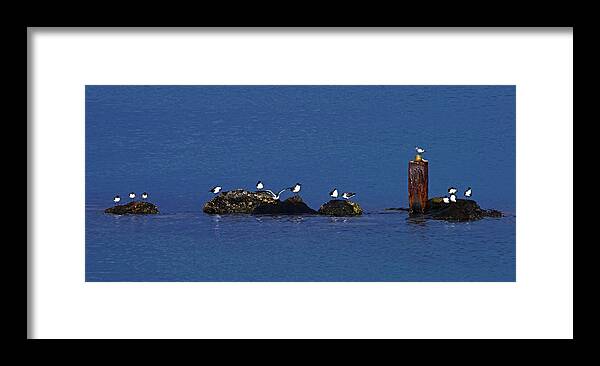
216,220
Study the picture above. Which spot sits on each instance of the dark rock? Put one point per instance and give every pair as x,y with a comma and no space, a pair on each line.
291,206
133,208
240,201
461,210
340,208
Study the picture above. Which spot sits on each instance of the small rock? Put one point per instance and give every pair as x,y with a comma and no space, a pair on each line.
340,208
133,208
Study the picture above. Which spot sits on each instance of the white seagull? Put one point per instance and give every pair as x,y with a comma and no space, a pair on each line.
144,195
452,198
348,195
117,199
419,150
446,200
468,192
296,188
275,196
216,189
452,190
259,185
132,195
334,193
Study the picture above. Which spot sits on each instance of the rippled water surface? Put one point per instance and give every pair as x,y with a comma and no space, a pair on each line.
177,142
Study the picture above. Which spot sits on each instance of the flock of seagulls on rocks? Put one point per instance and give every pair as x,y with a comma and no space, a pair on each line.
296,188
261,187
452,194
117,198
451,191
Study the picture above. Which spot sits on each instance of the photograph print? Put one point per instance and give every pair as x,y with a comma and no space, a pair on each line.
300,183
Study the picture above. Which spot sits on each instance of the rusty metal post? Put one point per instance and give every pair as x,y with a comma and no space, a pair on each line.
418,171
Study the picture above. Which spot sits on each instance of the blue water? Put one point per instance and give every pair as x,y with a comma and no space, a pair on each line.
176,142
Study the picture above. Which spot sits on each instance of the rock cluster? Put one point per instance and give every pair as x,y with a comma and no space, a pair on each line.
240,201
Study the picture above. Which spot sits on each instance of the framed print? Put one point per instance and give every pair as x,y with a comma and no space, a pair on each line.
242,183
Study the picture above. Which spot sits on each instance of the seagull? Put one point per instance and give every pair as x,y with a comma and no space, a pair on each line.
275,196
296,188
117,199
216,189
348,195
144,195
468,192
334,193
446,200
259,185
452,198
132,195
452,190
419,150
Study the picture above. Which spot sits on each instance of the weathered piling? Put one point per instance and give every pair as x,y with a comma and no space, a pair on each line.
418,171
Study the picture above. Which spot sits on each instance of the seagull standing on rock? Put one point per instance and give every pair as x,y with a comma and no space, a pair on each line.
216,189
117,199
348,195
452,197
144,195
419,150
296,188
446,200
334,193
452,190
132,195
259,185
468,192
